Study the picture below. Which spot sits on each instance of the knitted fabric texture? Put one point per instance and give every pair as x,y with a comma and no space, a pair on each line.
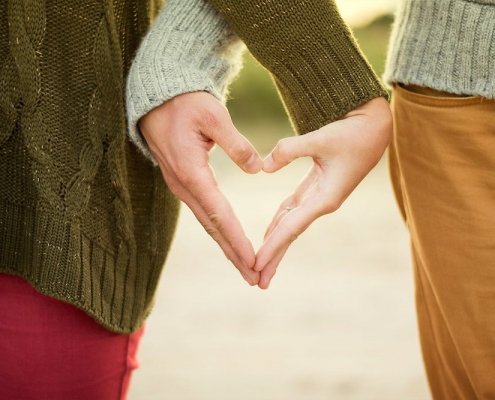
315,62
85,217
189,48
447,45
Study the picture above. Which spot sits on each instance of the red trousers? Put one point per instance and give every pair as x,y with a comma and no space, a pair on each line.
50,350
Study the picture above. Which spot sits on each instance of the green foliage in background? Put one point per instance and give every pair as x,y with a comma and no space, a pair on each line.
255,106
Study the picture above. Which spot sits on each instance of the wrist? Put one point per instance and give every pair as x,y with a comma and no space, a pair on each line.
375,113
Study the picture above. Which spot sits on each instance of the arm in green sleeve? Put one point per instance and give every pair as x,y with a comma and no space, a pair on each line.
319,70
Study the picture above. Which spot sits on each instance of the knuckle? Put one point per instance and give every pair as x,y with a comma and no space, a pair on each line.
211,230
332,205
187,178
215,219
241,151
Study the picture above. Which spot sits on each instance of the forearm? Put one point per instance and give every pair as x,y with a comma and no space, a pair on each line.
316,64
189,48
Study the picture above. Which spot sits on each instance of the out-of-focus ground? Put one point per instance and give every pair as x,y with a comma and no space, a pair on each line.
338,321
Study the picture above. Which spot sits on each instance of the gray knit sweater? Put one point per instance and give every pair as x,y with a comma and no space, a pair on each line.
447,45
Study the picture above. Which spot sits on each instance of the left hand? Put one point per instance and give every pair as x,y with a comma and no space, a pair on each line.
343,153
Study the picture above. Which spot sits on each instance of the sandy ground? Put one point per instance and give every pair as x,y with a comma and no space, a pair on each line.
337,322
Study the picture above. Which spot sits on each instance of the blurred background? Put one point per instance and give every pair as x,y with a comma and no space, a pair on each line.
338,321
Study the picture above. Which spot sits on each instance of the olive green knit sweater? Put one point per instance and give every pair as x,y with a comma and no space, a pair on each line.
84,216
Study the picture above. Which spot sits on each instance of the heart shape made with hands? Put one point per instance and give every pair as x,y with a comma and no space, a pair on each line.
341,159
181,132
255,198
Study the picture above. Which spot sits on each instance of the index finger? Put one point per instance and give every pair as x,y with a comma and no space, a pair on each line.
295,222
204,188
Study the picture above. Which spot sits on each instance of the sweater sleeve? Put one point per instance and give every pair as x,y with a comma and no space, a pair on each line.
190,47
318,69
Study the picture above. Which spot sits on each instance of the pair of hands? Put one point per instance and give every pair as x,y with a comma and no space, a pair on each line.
181,132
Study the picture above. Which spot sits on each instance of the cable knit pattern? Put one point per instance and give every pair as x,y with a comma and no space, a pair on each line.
447,45
69,188
28,32
189,48
8,114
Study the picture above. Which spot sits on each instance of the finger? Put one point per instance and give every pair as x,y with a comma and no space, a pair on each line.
270,269
251,276
288,229
185,195
288,204
288,149
205,191
294,200
223,132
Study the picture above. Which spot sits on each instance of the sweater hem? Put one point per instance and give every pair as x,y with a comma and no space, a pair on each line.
447,46
54,293
57,258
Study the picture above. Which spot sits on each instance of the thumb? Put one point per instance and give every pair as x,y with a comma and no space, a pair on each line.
237,147
287,150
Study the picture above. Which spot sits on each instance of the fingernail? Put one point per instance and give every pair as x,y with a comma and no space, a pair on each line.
254,164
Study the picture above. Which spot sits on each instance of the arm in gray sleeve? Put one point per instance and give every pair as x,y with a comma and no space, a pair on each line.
189,48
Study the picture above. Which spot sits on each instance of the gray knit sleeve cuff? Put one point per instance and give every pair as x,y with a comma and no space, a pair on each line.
189,48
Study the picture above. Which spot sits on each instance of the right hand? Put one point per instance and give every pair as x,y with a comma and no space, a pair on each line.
343,153
180,133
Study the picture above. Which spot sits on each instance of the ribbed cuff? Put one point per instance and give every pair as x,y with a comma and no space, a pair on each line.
447,45
311,53
189,48
318,90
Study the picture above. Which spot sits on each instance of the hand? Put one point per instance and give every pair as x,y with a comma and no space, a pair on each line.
343,153
180,133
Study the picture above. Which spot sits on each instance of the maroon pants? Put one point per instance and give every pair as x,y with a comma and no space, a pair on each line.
50,350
